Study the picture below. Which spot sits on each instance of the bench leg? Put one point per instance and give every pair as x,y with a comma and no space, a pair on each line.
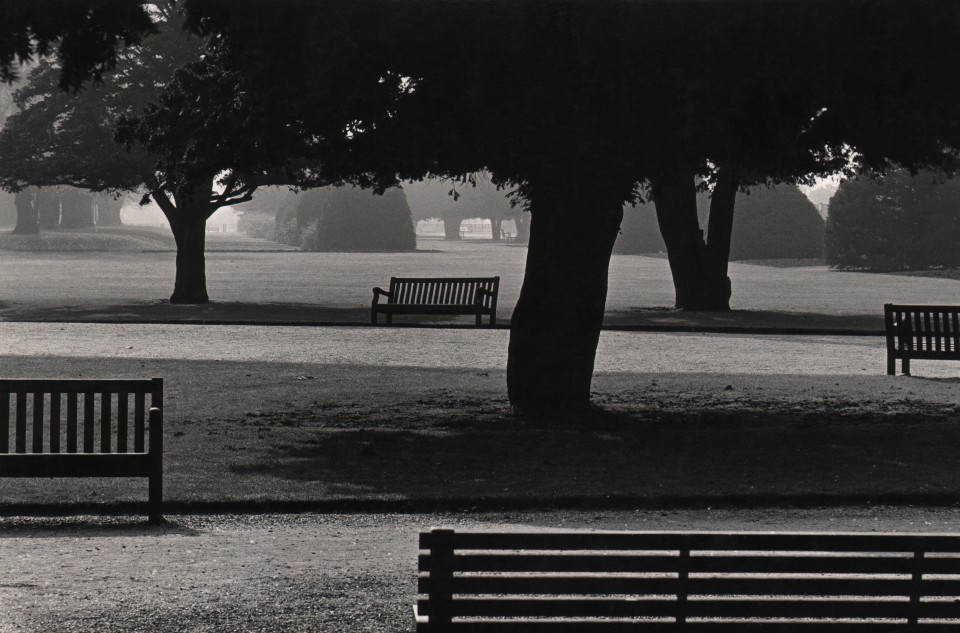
155,503
373,316
891,365
905,366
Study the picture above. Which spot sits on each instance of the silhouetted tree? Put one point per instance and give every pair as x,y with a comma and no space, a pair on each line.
580,105
894,222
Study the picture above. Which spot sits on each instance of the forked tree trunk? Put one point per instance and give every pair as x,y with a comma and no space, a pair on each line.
698,265
556,324
28,220
188,213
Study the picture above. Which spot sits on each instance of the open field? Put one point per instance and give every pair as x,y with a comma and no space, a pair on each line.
373,434
336,288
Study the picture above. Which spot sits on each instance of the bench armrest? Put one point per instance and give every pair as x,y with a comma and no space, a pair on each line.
377,292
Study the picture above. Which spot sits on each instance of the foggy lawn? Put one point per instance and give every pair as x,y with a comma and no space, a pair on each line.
251,286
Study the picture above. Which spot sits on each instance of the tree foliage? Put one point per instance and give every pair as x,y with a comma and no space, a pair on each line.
86,35
897,221
776,223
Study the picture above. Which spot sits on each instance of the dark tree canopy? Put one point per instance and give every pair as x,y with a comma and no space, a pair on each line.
895,222
581,103
86,34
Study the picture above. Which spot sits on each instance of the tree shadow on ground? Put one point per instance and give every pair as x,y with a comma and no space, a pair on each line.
87,526
640,454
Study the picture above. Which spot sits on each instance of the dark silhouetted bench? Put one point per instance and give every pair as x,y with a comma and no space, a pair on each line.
84,428
438,295
925,332
687,581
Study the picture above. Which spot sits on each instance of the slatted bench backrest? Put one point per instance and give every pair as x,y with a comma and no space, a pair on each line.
925,331
77,416
443,290
597,581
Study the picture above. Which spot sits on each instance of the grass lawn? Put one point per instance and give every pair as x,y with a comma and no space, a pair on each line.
255,285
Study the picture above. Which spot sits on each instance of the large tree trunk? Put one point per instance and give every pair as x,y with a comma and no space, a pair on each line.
698,267
48,207
28,220
451,226
190,233
556,324
76,209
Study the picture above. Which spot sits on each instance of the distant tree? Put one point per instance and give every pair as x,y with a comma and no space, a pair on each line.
776,223
8,209
28,213
352,219
455,201
894,222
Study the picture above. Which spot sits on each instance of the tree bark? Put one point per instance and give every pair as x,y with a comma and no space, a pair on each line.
190,285
556,324
451,226
698,266
28,219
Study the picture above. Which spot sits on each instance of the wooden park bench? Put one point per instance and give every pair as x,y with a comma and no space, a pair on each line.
84,428
588,582
921,331
438,295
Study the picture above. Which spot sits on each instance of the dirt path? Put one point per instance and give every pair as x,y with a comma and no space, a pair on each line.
320,573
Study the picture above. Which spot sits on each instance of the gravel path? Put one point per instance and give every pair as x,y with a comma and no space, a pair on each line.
462,348
319,573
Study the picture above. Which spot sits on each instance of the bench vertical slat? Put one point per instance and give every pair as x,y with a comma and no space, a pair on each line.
88,422
4,422
20,422
105,420
928,331
55,422
937,336
71,422
139,420
955,322
441,579
123,403
37,422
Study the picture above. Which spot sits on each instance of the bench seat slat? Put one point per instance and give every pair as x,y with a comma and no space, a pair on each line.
595,585
701,541
612,626
727,608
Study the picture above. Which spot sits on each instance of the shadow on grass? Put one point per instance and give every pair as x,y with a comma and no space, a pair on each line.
641,456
